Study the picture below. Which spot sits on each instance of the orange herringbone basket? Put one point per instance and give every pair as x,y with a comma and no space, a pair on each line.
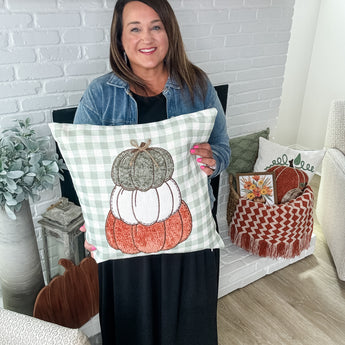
281,230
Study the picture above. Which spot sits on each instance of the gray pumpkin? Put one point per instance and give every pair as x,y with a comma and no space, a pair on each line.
142,168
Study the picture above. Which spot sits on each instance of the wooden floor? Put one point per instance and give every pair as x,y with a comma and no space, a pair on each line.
302,304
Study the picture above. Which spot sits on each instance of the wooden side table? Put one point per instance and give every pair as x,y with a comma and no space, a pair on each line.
62,221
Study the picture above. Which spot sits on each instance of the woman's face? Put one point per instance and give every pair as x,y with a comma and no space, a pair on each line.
143,38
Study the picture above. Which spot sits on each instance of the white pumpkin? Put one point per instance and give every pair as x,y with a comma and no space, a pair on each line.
137,207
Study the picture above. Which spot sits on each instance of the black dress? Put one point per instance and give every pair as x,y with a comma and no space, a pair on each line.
165,299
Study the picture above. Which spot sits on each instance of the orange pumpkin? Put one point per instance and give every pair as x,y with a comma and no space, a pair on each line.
287,178
133,239
72,299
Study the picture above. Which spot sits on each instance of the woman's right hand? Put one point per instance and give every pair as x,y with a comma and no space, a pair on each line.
91,248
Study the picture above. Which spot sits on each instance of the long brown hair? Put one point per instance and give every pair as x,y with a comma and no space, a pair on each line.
177,63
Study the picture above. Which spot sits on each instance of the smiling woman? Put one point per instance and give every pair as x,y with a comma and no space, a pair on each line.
145,43
176,62
166,298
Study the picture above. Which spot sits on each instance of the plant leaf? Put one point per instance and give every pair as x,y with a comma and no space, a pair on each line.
20,197
15,174
11,185
53,167
26,166
35,158
11,202
9,212
297,160
29,180
61,177
46,162
16,165
49,179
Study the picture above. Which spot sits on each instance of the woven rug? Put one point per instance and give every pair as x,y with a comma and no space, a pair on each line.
281,230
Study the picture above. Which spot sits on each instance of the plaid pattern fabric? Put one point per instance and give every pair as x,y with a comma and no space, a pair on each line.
89,152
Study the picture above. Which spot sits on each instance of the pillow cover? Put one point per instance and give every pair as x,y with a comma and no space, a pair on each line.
244,152
271,154
140,189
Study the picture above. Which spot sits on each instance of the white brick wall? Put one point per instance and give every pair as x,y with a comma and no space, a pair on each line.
50,50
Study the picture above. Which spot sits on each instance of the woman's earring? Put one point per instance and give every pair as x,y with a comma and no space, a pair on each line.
125,57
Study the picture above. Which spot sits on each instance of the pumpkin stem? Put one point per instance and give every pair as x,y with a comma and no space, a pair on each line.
66,264
302,186
291,163
142,148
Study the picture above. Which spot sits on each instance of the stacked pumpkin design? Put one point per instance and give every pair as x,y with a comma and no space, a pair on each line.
290,182
147,213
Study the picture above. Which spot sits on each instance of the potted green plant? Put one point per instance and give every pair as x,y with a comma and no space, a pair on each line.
26,168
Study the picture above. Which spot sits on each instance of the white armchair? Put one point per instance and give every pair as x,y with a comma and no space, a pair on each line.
20,329
330,208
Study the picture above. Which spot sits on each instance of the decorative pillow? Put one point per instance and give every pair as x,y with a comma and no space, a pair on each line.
290,182
140,189
271,154
244,152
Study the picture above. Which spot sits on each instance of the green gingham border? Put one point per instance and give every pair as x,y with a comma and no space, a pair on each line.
89,152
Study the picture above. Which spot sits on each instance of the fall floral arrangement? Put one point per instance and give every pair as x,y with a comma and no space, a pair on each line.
257,187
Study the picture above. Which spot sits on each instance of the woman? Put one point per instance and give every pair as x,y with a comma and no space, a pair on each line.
165,299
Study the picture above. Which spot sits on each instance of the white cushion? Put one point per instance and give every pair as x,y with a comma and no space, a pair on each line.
19,329
271,154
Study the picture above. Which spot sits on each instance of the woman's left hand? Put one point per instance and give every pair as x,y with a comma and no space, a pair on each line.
205,154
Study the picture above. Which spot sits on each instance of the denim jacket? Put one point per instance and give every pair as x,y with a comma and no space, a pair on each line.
108,101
